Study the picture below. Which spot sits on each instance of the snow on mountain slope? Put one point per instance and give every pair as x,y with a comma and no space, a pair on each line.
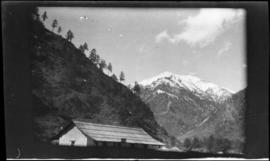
167,93
188,107
188,82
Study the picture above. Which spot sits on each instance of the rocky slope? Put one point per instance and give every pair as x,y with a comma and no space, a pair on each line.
188,107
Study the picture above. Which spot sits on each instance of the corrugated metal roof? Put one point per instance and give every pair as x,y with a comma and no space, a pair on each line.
111,133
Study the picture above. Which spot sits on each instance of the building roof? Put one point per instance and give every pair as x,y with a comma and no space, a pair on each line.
110,133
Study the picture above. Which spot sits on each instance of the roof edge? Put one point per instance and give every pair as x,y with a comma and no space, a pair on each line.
107,125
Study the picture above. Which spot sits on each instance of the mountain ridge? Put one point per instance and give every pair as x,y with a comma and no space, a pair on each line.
189,82
186,112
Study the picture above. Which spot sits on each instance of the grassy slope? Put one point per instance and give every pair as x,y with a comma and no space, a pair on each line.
65,85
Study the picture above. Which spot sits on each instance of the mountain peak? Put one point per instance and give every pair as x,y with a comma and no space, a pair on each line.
188,82
173,76
166,74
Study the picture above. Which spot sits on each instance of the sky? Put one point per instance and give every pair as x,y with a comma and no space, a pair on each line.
144,42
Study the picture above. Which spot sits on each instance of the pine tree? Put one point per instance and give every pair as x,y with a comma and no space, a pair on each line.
81,48
44,16
103,64
59,29
85,46
114,77
122,76
110,67
93,56
137,88
54,24
69,35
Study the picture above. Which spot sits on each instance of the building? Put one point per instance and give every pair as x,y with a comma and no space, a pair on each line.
81,133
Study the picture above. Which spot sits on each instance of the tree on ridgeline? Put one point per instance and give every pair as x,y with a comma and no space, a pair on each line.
85,46
69,35
44,16
114,77
122,76
93,56
59,29
54,24
81,48
102,64
110,67
137,88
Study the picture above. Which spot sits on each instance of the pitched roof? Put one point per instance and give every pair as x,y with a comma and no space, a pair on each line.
110,133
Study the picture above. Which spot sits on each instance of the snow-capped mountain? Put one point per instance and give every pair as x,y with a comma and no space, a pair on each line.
188,107
200,87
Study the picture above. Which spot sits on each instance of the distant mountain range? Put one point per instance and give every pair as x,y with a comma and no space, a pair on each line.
187,107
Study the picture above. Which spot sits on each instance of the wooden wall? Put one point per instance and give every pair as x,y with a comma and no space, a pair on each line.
77,136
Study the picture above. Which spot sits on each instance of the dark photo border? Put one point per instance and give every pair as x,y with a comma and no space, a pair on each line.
17,80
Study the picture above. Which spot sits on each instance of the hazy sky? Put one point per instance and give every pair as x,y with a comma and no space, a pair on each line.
207,43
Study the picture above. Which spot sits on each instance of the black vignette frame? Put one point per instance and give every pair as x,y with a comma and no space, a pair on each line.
17,72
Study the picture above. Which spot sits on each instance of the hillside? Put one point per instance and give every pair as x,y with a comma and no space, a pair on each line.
234,110
66,85
189,108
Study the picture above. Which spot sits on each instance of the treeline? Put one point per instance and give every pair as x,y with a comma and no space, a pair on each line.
93,56
211,144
